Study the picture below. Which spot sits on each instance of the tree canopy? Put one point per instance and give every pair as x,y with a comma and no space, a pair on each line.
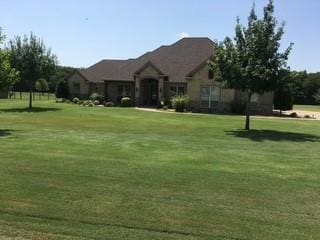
252,61
30,56
42,85
8,75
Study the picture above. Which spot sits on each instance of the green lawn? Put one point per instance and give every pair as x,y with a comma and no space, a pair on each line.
70,172
313,108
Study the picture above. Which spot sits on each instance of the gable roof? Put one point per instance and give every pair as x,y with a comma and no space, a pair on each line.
175,61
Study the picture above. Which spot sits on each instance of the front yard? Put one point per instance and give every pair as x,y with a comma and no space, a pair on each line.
71,172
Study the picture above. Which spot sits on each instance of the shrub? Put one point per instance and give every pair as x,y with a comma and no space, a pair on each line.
109,104
91,104
126,102
80,102
96,102
75,100
87,103
294,115
238,107
96,97
180,103
62,89
166,103
283,98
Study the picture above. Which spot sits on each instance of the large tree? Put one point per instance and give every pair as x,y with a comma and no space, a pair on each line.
8,75
252,61
30,56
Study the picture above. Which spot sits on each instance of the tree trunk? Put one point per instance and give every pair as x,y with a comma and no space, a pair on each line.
247,127
30,98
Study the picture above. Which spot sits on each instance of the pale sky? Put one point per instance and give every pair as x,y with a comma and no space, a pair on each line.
81,33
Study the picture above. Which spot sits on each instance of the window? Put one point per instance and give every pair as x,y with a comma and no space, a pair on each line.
177,90
254,98
210,74
206,92
124,90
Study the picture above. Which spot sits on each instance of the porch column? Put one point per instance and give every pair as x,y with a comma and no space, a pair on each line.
137,91
161,88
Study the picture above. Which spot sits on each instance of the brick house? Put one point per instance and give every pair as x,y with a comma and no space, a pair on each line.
177,69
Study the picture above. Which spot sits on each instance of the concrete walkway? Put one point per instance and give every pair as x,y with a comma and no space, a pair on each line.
286,114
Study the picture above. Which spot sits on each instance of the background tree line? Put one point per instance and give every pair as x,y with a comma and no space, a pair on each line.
26,64
305,87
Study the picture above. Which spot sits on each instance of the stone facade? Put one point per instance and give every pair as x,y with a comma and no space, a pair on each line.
201,79
263,104
78,86
146,73
111,90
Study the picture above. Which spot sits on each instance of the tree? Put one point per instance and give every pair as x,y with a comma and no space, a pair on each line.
42,85
62,72
252,62
62,89
8,75
33,60
317,96
283,94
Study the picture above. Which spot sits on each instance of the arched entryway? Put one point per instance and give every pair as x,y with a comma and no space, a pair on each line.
150,92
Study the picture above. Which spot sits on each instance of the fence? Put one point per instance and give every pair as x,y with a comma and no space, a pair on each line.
35,96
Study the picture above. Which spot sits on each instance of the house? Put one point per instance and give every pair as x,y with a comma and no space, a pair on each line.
177,69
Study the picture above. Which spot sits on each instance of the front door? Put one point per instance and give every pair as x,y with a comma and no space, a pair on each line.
150,92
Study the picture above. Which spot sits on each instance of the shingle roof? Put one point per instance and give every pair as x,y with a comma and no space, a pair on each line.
176,61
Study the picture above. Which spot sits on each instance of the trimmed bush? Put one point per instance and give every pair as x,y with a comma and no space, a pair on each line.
96,97
75,100
166,103
62,90
96,102
87,103
294,115
238,107
109,104
180,103
126,102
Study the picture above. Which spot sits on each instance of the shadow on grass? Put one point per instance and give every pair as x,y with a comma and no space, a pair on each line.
32,110
6,132
272,135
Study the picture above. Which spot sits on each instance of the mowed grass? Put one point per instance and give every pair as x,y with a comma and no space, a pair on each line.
71,172
311,108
